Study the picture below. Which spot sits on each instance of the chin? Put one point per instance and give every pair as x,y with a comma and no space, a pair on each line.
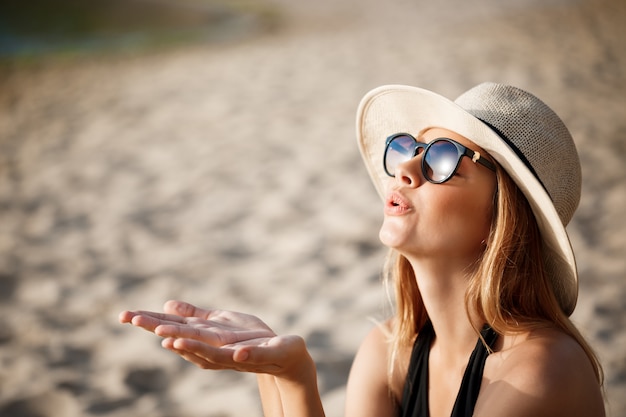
390,238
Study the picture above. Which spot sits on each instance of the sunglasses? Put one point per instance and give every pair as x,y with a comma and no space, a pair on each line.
440,158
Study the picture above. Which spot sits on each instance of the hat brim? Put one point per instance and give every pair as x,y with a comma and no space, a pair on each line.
398,108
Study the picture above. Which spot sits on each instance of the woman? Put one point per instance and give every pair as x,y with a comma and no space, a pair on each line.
477,194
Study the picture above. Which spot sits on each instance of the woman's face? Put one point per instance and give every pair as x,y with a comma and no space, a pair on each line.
439,221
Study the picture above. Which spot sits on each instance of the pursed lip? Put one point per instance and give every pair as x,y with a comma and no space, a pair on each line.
396,204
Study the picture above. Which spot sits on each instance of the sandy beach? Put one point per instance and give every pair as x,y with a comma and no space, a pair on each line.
228,175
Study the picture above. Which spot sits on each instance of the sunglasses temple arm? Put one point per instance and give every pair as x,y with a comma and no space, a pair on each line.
476,157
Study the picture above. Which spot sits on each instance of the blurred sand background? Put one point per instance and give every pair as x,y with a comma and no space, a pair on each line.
225,172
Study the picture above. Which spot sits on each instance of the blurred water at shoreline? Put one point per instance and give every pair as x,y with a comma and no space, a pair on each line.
29,29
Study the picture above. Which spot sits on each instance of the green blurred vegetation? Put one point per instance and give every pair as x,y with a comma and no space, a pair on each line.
34,28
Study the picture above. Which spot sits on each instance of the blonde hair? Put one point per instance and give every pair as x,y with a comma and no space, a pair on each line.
509,288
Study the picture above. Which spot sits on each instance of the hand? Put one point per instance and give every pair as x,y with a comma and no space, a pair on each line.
217,339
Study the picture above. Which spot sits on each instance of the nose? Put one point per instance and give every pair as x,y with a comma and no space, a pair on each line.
409,173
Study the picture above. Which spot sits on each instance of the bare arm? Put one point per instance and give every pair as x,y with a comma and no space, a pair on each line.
215,339
369,392
270,396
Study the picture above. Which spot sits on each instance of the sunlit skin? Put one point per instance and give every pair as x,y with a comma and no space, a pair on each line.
217,339
445,223
441,229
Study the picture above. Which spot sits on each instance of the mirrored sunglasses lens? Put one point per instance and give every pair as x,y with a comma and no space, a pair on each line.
399,150
440,160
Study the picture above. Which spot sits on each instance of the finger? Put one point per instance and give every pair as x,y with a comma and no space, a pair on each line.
149,321
207,336
272,355
241,355
208,357
255,359
211,335
183,309
201,354
251,358
258,356
191,357
159,316
126,316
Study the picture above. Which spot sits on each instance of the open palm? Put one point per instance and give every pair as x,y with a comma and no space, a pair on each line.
218,339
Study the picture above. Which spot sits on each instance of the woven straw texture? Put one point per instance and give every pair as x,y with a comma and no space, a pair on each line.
538,133
518,130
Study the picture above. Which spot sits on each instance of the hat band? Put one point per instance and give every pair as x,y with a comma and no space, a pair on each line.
517,151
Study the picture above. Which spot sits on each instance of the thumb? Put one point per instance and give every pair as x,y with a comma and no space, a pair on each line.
241,355
183,309
255,359
278,350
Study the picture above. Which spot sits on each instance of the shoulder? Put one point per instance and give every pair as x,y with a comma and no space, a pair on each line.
370,390
543,372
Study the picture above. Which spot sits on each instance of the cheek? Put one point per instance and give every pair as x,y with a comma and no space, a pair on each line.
481,221
467,217
483,225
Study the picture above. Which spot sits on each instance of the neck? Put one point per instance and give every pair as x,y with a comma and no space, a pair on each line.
443,290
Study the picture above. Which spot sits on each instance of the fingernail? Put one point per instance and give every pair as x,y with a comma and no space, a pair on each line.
241,356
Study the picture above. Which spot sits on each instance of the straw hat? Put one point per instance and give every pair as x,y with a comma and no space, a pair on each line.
517,129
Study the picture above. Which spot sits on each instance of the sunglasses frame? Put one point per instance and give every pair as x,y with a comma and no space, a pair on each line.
461,152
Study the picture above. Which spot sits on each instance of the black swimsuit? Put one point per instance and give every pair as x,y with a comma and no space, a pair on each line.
415,395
